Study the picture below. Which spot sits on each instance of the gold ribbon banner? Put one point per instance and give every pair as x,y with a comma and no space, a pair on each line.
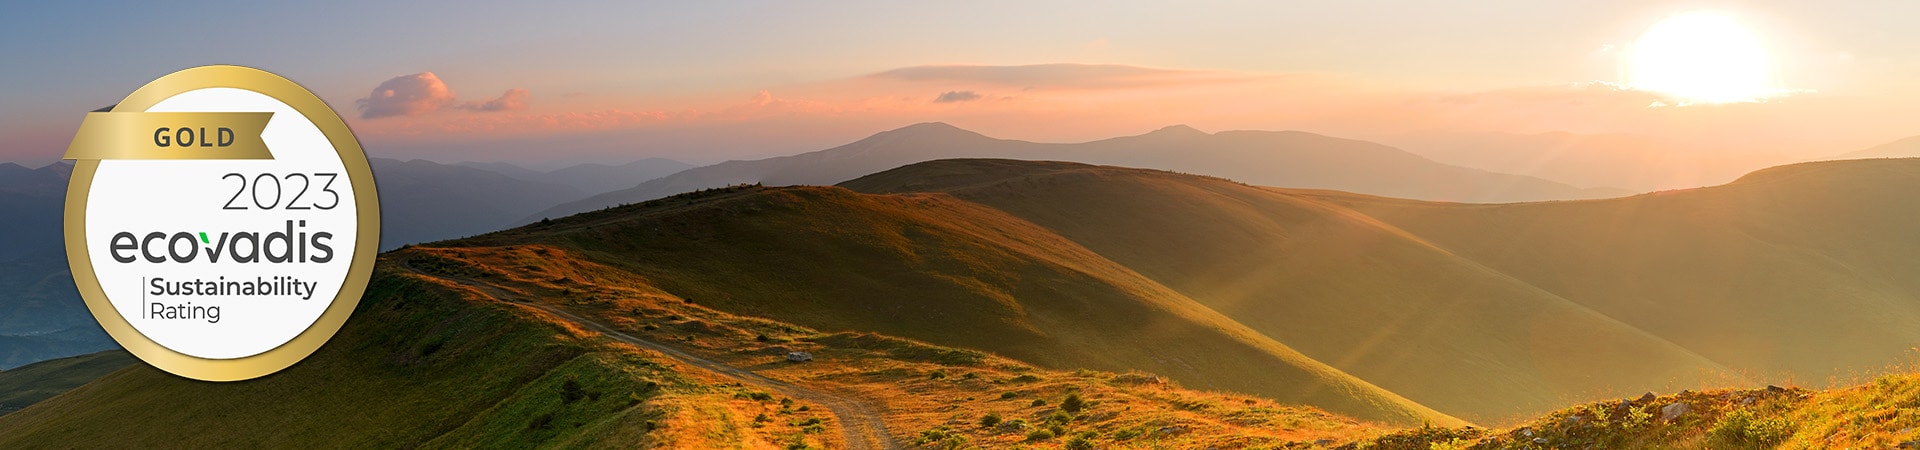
171,135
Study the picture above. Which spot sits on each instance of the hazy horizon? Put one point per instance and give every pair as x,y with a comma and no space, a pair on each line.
578,84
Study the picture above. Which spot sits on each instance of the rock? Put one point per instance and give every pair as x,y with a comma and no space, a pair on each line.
1746,400
1647,397
1324,442
1541,441
1673,411
1528,432
1576,420
1909,444
1775,389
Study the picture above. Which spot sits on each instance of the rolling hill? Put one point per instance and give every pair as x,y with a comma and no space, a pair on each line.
479,346
950,272
1342,288
1802,271
23,386
1284,158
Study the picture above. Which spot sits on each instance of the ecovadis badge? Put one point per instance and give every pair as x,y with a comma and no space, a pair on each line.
221,222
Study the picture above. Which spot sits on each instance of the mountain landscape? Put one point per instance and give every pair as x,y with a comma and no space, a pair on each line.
1173,309
424,201
1387,310
1635,163
1269,158
1904,148
591,178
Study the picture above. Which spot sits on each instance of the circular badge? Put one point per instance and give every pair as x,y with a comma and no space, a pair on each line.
221,222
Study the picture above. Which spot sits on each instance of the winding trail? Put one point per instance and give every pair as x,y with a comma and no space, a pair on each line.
860,423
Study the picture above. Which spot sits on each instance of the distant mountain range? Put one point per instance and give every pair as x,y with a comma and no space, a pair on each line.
1268,158
425,201
1904,148
1589,160
591,178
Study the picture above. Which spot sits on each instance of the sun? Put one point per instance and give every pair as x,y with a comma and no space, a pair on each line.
1702,57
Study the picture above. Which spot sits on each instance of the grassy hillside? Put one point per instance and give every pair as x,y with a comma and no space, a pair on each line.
933,268
1880,414
1340,287
430,362
930,396
419,364
26,385
1795,272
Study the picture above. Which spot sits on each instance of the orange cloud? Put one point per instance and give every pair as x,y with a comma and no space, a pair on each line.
424,93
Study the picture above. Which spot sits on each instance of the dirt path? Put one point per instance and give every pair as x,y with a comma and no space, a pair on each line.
860,423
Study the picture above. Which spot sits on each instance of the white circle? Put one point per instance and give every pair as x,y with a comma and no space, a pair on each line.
140,197
1703,57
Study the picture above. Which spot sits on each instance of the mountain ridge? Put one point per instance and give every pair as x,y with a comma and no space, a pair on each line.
1289,158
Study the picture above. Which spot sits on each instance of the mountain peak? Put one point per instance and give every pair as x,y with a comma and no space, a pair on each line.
928,130
1177,130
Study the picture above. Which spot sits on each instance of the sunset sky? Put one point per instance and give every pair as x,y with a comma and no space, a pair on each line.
547,84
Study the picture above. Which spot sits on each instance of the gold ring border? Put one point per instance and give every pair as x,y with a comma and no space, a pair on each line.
365,249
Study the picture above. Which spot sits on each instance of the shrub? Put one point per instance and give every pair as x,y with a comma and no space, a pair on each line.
1039,435
1039,402
1027,378
1008,395
1073,403
1743,428
940,438
989,420
935,375
570,392
1079,443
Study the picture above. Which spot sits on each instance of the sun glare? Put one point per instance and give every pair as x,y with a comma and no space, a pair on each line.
1702,57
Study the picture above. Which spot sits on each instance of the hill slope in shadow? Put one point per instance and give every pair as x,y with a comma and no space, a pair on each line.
1341,287
946,271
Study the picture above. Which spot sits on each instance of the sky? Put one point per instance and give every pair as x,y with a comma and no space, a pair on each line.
552,83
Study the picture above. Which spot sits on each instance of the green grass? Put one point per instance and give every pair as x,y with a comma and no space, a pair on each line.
416,366
32,383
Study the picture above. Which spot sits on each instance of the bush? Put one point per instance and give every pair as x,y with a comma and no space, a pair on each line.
1039,435
1079,443
940,438
1027,378
1743,428
1008,395
935,375
570,392
1039,402
989,420
1073,403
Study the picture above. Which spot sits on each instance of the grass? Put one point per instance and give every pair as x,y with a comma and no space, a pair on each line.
933,269
29,384
1124,409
